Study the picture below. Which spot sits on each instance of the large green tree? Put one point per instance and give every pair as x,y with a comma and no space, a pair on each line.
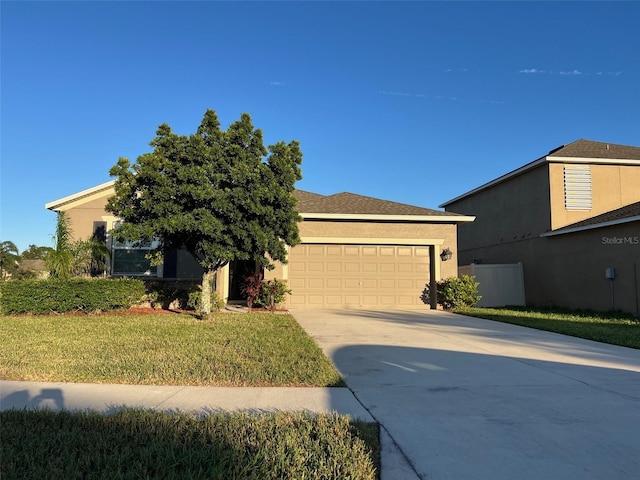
218,194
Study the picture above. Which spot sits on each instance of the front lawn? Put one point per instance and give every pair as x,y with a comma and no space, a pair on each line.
137,444
256,349
615,329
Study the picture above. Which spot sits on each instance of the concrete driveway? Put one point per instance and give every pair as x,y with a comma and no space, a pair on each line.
465,398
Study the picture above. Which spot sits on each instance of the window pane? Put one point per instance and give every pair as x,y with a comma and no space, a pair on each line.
129,261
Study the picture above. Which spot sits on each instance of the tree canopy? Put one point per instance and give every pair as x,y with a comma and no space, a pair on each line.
218,194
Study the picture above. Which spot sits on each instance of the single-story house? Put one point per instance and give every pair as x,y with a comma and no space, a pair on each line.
571,218
356,251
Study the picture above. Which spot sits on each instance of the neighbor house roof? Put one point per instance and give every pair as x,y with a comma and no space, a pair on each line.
581,152
596,150
626,214
341,206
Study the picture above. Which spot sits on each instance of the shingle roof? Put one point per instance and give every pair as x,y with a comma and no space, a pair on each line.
350,203
622,213
590,149
341,203
609,153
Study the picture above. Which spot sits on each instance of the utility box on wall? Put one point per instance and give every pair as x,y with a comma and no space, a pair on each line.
499,284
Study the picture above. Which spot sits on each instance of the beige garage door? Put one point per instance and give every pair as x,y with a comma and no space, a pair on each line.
357,275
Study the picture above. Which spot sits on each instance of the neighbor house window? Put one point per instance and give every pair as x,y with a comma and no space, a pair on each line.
128,258
577,187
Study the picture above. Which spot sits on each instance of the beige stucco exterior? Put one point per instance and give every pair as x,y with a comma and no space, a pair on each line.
613,186
83,212
519,217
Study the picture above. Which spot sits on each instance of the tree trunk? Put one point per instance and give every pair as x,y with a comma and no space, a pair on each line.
207,278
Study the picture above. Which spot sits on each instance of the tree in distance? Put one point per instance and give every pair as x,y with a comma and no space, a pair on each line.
218,194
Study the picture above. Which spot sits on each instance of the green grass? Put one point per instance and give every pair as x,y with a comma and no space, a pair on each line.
615,329
257,349
141,444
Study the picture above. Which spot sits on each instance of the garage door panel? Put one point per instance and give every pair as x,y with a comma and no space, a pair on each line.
423,269
351,283
370,300
390,283
369,283
358,275
405,268
352,300
334,300
351,267
387,267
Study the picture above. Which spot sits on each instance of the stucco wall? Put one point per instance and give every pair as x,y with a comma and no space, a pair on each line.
580,260
509,212
568,270
82,216
612,186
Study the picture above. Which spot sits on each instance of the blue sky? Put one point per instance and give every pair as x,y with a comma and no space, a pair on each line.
415,102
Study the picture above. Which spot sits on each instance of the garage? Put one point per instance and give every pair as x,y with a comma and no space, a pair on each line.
351,275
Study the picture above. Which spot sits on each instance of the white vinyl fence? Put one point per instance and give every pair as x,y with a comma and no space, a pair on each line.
500,284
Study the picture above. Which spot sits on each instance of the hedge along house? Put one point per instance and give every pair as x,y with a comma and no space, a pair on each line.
355,251
571,218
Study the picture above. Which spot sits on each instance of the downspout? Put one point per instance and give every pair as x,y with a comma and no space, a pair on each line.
433,281
635,278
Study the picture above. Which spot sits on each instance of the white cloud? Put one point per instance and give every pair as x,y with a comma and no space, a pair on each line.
394,94
572,72
277,84
531,70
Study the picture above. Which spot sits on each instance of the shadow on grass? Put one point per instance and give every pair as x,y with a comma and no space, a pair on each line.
134,443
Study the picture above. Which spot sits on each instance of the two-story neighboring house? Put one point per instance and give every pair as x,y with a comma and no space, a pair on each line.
356,251
571,217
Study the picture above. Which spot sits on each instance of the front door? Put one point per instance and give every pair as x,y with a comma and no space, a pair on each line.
238,271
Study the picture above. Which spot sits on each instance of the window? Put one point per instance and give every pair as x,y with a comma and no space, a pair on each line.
130,259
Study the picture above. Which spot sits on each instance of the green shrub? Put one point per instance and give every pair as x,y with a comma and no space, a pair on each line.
455,292
58,295
272,293
167,297
195,300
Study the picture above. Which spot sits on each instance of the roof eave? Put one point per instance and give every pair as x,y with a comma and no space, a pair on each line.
592,160
57,204
389,218
610,223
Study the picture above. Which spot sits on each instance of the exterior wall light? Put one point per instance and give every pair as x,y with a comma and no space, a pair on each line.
446,254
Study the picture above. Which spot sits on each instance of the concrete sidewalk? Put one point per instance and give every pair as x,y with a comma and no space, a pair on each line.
106,398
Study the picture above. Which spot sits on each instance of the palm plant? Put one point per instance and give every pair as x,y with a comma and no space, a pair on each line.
60,260
9,257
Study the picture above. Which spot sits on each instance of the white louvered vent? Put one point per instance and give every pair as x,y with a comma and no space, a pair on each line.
577,187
